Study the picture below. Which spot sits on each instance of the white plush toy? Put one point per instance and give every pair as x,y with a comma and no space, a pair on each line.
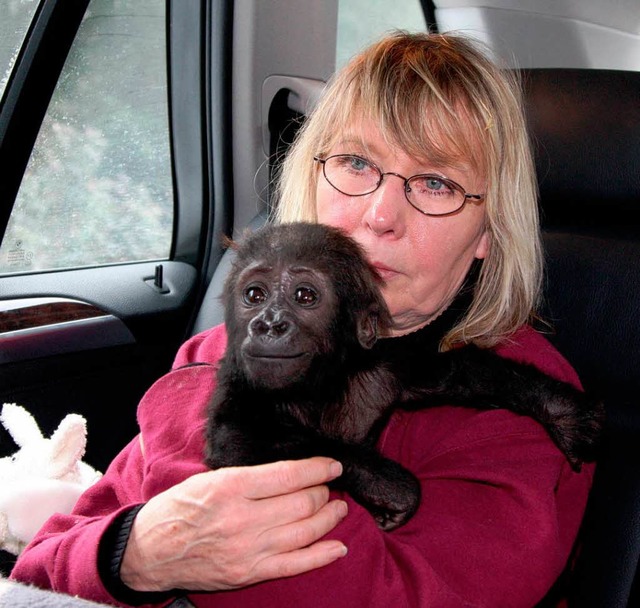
45,476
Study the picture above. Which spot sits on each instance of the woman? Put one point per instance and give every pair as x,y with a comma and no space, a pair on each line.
419,151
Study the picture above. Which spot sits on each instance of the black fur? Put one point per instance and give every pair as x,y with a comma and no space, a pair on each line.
298,379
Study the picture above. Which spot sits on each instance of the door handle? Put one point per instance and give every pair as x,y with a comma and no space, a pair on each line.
304,93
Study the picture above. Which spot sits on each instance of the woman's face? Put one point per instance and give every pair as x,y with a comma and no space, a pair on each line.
422,259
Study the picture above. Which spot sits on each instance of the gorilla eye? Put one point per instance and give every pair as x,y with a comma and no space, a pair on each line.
305,296
254,295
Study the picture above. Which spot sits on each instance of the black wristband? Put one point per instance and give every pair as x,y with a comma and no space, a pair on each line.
110,553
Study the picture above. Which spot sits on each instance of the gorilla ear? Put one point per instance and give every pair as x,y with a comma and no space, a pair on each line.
368,328
229,243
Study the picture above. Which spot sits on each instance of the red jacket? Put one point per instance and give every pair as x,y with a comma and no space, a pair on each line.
499,515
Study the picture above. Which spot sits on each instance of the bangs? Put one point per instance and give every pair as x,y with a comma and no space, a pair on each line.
429,114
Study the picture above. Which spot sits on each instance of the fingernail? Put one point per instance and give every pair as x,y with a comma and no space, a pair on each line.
335,468
343,508
337,551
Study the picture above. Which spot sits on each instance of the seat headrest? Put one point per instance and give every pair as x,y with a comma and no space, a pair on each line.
585,128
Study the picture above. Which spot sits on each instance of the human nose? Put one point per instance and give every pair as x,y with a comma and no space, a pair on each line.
387,204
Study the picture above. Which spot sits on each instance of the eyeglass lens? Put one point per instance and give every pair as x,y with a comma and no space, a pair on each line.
355,176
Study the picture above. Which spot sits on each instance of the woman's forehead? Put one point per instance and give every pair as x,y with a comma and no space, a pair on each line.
366,137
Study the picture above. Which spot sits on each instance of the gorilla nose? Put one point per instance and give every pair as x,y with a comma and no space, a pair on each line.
280,328
276,327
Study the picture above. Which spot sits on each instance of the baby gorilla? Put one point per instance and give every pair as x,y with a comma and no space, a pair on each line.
298,379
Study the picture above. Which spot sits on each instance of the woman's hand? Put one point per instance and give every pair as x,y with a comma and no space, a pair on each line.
234,527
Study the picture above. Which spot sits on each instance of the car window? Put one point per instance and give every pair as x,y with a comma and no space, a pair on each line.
360,22
97,188
15,17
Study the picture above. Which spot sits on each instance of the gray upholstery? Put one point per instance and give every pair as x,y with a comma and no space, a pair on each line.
15,595
211,312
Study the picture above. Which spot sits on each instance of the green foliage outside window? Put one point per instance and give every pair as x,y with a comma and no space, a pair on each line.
98,186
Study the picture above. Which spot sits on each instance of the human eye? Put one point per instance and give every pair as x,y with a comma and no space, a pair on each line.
354,164
432,185
351,174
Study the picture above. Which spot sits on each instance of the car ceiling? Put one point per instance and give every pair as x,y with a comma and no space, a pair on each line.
551,33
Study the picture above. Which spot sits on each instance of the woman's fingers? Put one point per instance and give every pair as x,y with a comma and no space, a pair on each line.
279,510
303,560
286,476
233,527
303,532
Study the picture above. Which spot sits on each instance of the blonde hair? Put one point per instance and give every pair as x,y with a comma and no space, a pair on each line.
439,97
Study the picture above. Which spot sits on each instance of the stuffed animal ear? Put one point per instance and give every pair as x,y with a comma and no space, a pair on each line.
20,424
68,444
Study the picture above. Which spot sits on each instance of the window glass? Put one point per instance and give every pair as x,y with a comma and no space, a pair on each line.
360,22
98,186
15,17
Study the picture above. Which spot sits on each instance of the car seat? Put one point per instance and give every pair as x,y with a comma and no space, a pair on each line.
585,126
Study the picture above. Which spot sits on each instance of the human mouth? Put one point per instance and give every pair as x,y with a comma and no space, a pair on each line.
384,271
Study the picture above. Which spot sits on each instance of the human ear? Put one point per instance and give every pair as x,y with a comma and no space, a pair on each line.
483,246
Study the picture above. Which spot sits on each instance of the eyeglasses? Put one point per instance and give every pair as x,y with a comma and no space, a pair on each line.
430,194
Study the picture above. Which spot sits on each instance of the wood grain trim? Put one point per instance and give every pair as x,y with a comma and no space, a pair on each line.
30,314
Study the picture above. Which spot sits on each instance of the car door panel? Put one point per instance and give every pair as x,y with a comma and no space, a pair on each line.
42,327
96,348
